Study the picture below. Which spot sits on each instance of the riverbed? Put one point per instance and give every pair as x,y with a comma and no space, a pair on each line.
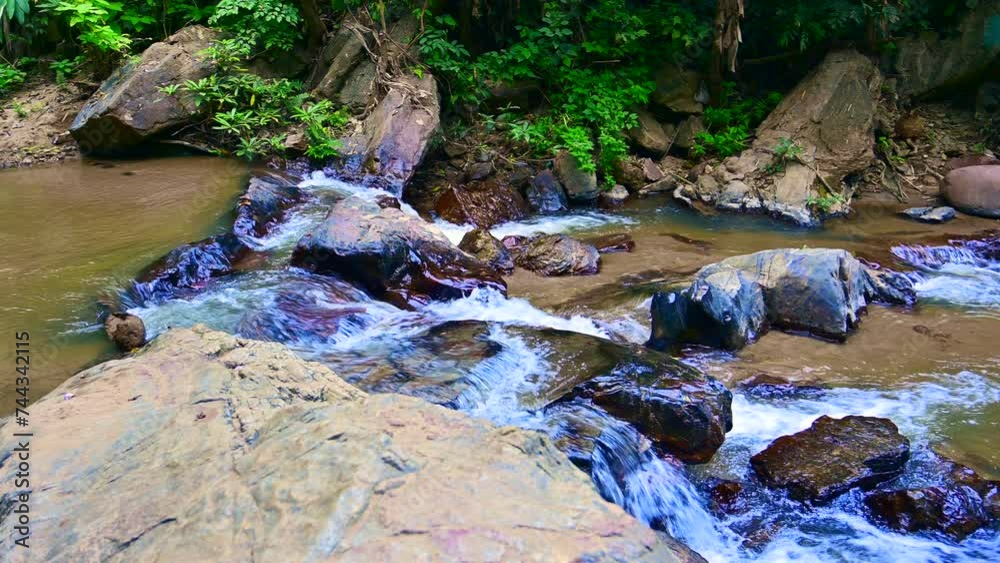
934,369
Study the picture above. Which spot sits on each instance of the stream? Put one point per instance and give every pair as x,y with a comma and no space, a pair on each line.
933,369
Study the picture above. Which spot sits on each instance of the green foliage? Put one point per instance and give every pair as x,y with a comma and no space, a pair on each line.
888,149
784,152
730,124
65,68
95,23
273,25
10,78
825,203
246,109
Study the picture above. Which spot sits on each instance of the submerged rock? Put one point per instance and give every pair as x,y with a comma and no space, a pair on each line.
731,303
265,201
557,255
833,456
127,331
766,386
210,447
681,409
612,242
615,197
394,256
190,266
930,214
974,190
546,195
481,244
830,114
956,511
130,107
483,204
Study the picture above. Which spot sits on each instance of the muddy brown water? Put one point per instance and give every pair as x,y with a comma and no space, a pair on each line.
73,231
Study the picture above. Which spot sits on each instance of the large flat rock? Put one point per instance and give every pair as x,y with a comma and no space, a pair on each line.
207,447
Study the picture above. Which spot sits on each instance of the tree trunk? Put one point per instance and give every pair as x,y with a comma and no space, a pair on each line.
728,37
315,28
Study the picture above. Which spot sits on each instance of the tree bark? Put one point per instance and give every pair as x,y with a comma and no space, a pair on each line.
315,28
726,45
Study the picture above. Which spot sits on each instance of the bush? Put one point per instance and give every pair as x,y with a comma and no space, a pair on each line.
273,25
10,78
730,125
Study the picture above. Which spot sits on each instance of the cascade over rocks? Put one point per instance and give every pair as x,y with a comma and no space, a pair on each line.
153,455
731,303
974,190
130,108
264,203
395,256
190,266
555,255
830,115
832,456
678,407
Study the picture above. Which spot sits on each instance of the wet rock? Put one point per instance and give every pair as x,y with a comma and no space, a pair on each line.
833,456
482,204
731,303
265,201
387,201
956,511
580,186
557,255
484,246
478,171
546,195
190,266
130,108
152,446
929,65
649,136
679,91
678,407
612,242
765,386
127,331
974,190
520,177
970,160
941,214
831,116
394,256
395,136
725,496
615,197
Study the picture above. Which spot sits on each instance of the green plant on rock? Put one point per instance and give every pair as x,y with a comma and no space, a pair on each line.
272,25
784,152
825,203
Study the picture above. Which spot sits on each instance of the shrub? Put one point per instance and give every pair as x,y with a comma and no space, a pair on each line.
273,25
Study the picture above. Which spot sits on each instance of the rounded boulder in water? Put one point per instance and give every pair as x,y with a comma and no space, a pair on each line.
127,331
974,190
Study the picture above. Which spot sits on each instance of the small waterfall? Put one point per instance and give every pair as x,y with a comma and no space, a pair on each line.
962,272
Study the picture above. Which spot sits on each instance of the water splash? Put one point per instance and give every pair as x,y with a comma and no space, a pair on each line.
963,272
548,224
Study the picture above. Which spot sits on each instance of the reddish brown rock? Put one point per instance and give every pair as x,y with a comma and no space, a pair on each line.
612,242
482,204
557,255
481,244
974,190
970,160
127,331
956,511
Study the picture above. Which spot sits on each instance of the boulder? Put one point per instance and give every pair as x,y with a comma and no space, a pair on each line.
478,171
359,87
930,66
580,185
546,195
130,107
731,303
688,130
189,267
615,197
612,242
941,214
974,190
209,447
970,160
830,114
679,90
955,511
833,456
482,204
394,138
649,136
264,203
678,407
484,246
557,255
393,255
127,331
342,53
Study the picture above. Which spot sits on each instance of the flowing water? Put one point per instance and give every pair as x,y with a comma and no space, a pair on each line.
933,369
